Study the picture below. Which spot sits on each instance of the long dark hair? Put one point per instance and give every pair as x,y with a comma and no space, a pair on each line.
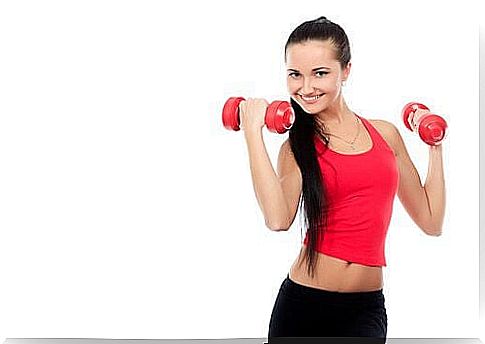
301,136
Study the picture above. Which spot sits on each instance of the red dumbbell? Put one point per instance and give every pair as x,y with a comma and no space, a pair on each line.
431,128
278,119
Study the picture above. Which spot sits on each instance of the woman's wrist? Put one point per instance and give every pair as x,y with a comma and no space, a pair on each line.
252,131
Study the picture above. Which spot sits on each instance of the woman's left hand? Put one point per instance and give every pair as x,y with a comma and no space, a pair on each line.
416,115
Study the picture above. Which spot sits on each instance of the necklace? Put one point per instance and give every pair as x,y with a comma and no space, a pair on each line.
351,143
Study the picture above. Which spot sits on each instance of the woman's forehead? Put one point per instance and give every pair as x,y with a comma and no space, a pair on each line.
311,53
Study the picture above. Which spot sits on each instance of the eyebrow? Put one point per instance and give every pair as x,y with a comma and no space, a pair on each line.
313,70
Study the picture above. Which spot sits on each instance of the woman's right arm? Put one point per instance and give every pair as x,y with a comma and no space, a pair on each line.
278,194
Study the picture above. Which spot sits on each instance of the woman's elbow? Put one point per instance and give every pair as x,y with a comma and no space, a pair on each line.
277,227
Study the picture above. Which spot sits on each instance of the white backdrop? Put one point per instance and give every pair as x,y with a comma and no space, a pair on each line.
128,211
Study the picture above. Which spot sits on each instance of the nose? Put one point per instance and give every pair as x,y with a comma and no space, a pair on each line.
307,87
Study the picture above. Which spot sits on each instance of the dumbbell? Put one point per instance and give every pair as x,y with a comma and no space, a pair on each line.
278,119
431,128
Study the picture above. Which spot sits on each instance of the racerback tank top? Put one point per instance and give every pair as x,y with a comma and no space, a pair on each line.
360,190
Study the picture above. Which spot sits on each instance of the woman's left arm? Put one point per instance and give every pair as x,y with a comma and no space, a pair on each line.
425,204
434,187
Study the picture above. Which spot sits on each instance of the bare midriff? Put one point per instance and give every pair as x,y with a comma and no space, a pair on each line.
335,274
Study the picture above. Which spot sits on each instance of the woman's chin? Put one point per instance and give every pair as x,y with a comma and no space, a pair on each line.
311,109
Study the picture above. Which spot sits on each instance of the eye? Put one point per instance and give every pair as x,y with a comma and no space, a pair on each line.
294,74
322,72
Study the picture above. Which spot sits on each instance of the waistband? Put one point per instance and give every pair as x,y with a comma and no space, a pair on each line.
328,295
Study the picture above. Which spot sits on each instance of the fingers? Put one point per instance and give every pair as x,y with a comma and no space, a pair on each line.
419,113
252,112
416,115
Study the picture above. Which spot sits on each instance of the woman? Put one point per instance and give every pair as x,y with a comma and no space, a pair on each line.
347,170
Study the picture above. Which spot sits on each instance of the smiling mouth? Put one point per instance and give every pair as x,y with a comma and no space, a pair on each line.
311,99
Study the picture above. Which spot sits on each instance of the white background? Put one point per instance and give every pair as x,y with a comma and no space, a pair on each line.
128,211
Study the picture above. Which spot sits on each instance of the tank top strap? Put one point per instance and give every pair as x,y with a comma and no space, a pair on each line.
376,137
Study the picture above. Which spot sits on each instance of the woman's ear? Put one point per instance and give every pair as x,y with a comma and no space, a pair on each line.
347,71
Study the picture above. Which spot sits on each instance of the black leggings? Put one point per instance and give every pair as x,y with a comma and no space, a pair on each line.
301,311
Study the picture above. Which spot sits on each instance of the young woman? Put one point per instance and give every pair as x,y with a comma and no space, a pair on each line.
347,170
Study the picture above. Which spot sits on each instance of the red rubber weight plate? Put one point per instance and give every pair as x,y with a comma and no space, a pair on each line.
432,129
230,113
279,117
288,115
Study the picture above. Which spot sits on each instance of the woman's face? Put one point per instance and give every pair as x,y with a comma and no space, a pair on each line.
314,76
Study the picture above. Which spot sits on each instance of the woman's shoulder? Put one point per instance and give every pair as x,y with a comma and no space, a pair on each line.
386,129
382,123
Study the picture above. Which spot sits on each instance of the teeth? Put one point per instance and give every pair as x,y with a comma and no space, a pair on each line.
312,98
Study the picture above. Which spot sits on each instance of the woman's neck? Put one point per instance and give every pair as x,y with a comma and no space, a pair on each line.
336,117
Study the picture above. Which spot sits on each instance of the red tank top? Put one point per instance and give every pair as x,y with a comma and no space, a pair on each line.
360,190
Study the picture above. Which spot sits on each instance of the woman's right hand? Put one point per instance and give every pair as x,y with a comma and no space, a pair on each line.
252,113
